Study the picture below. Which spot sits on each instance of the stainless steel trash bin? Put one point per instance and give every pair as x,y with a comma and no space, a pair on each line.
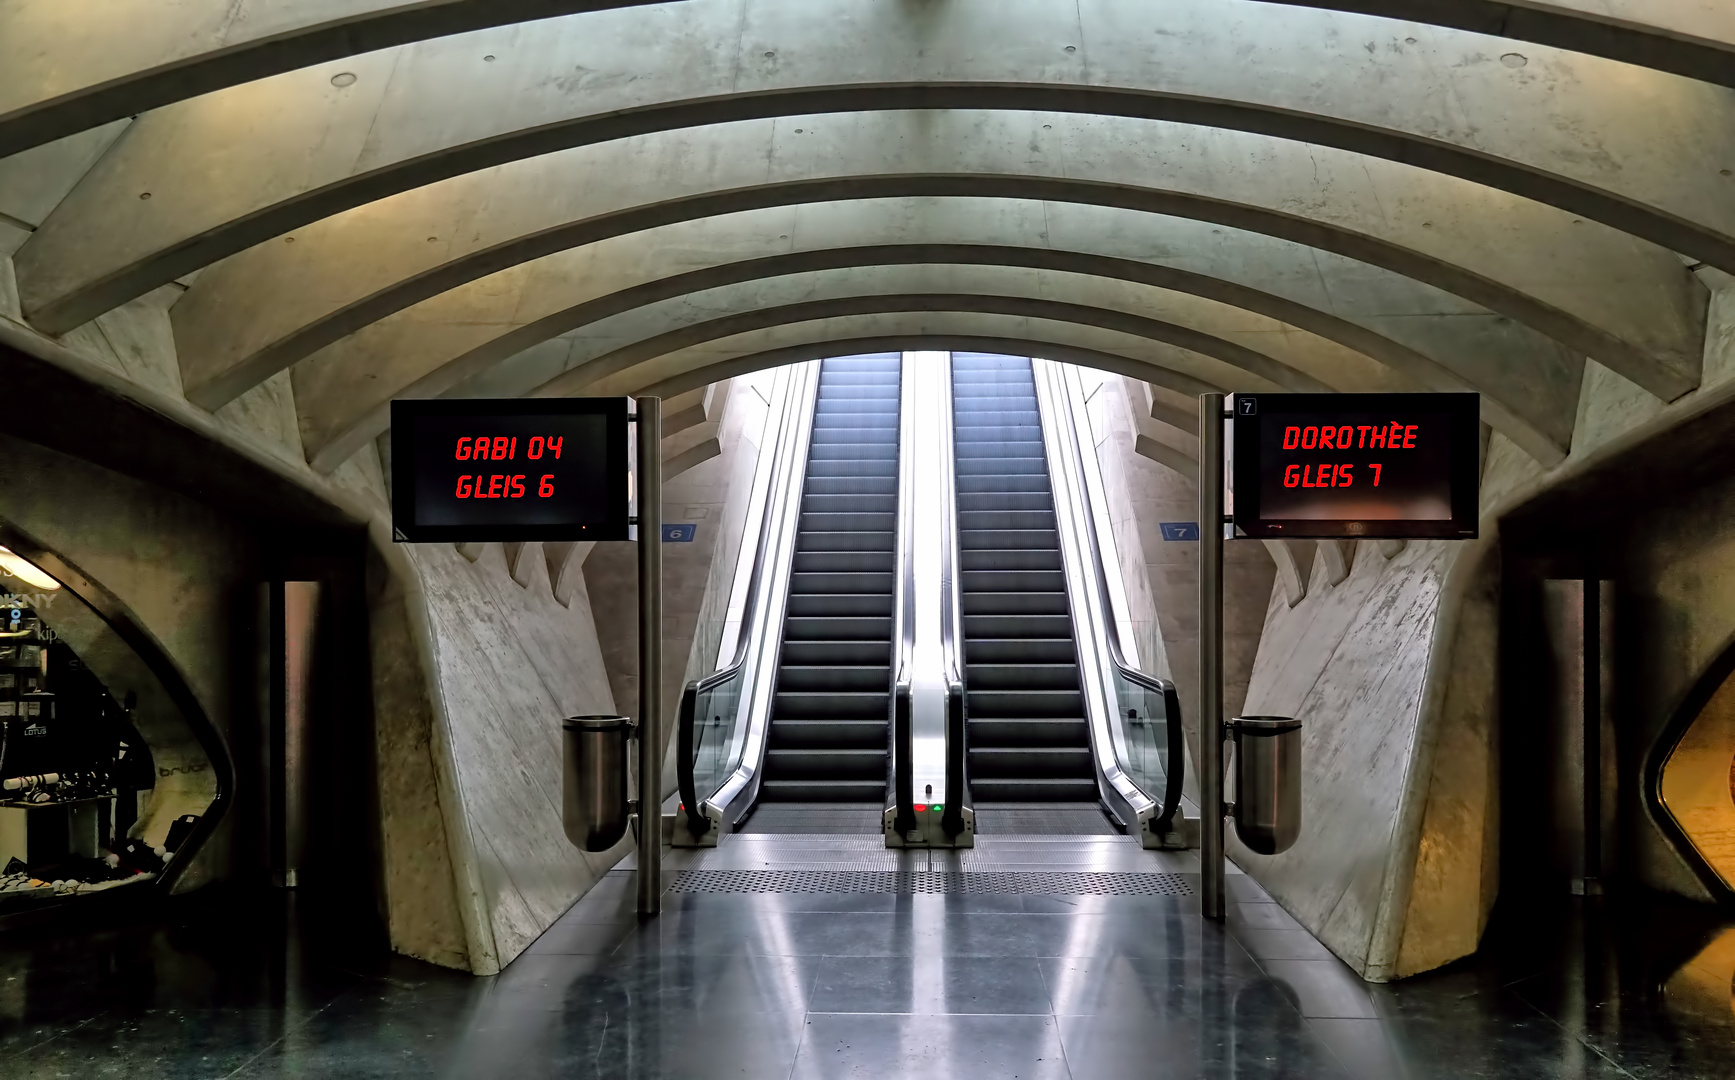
594,804
1267,781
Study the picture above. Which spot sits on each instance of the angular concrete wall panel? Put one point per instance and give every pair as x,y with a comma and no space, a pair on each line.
506,663
1352,662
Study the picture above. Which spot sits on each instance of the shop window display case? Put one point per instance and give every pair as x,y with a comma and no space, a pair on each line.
109,769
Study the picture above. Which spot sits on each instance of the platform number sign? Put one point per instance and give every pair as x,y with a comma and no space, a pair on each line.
472,471
1351,465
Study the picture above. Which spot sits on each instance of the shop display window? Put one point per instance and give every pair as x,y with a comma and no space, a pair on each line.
106,771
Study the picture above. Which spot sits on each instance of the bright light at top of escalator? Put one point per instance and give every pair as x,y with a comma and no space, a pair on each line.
14,565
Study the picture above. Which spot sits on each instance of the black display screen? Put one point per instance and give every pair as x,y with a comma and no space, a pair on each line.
1348,465
471,471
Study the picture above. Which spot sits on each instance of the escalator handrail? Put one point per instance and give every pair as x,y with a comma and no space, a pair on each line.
900,773
1174,774
1176,735
952,631
698,823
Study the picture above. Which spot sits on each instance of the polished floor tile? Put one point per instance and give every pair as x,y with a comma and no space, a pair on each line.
1250,1034
1153,988
872,985
1322,988
938,984
931,1048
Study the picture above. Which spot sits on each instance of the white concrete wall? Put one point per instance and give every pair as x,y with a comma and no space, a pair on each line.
507,663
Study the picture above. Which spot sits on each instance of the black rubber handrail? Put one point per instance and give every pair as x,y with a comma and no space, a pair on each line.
900,766
1175,774
951,637
686,749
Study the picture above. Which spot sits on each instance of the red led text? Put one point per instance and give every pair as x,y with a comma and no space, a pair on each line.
505,448
502,486
1321,476
1392,436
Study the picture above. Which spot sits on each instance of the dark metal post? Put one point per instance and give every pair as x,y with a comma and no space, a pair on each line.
650,500
1593,712
1210,487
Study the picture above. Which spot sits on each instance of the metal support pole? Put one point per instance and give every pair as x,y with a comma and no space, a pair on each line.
650,499
1210,487
1592,719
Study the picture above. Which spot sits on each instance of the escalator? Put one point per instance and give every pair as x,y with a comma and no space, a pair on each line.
927,633
828,720
1029,741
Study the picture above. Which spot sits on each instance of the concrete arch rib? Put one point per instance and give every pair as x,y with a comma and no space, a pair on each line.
1595,291
136,59
1250,369
343,394
691,369
1637,151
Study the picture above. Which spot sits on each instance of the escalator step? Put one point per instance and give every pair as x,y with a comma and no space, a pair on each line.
969,485
1003,732
1006,500
1028,675
1030,762
1002,466
831,605
833,677
1009,559
857,521
846,541
1018,626
845,562
979,539
829,764
854,628
780,790
852,485
1012,581
851,503
1015,603
841,581
1026,703
829,705
1005,520
1046,790
1018,651
852,468
864,653
830,734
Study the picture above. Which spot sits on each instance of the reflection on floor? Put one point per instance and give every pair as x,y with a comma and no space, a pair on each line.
816,984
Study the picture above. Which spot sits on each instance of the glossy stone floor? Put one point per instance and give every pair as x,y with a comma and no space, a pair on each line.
854,985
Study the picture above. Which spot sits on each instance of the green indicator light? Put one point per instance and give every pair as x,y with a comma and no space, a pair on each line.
936,807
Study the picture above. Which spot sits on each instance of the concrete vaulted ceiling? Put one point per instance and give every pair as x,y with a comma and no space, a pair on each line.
385,199
147,56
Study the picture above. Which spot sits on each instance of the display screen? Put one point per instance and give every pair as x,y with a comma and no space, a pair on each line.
515,470
1345,465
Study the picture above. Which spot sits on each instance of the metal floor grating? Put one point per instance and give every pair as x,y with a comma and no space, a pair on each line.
1014,819
796,818
911,882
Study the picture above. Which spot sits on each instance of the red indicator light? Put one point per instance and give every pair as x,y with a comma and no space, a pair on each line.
921,808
